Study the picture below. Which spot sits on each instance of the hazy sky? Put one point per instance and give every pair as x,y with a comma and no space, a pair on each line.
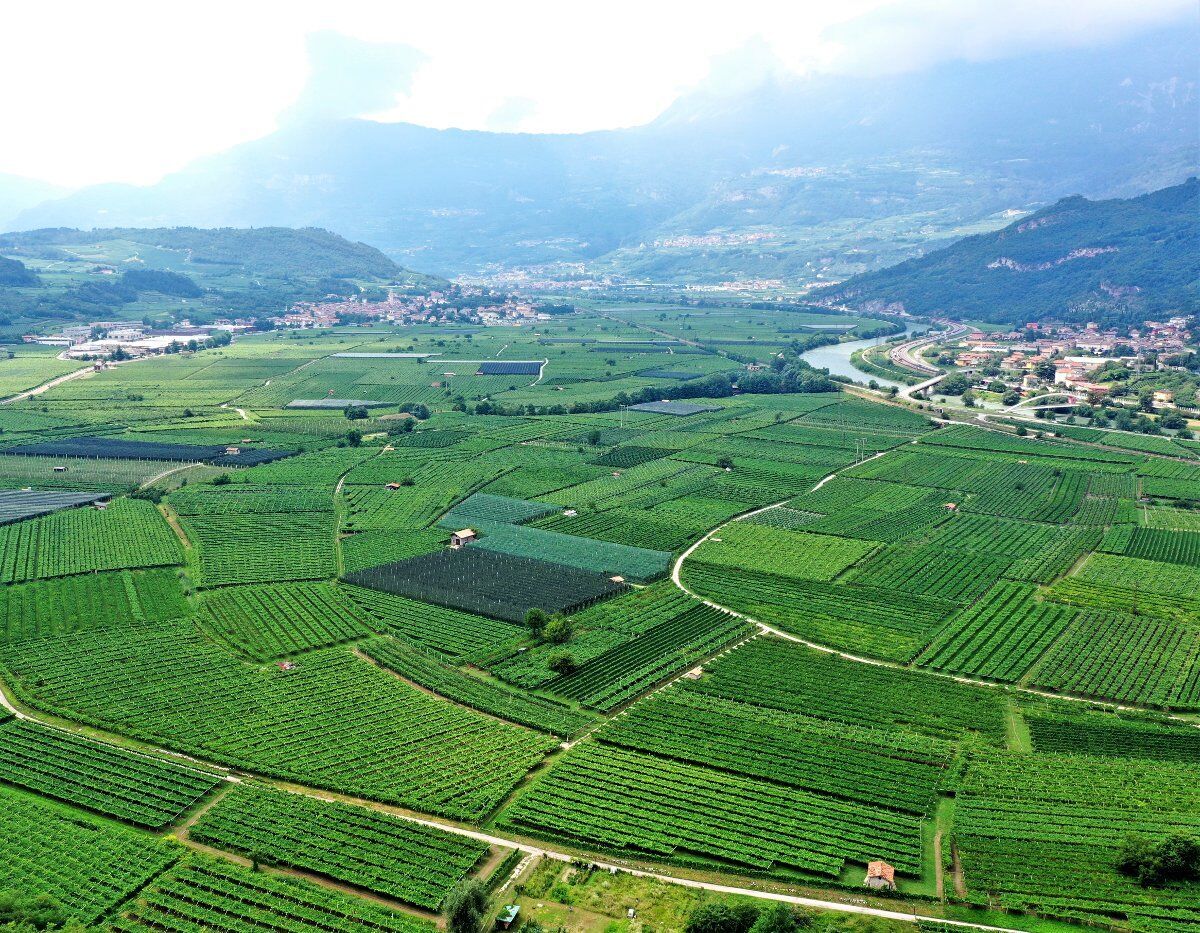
128,91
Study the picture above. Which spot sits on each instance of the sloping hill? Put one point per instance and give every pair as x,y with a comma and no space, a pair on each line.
1119,261
62,273
264,251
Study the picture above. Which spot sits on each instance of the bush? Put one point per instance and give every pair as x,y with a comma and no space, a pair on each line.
722,918
559,629
780,918
1176,858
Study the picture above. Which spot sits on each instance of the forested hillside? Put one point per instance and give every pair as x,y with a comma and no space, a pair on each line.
63,273
1120,261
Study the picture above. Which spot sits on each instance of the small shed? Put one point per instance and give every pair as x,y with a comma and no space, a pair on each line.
951,506
508,916
232,451
880,876
393,486
459,538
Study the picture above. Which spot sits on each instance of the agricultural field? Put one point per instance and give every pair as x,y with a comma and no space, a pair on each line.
782,634
489,582
357,846
103,778
427,670
127,534
211,895
89,864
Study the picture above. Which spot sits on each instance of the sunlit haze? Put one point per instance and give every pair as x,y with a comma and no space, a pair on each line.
136,89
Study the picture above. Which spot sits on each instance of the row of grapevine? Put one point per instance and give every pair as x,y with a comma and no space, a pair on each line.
145,791
396,858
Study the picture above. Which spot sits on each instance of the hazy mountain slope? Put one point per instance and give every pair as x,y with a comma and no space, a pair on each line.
796,178
1118,260
18,194
264,251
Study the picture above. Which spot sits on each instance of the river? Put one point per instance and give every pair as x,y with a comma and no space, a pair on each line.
836,357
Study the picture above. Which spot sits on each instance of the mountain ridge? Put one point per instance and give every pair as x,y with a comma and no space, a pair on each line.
839,175
1117,261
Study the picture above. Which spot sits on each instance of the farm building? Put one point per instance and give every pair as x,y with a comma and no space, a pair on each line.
880,876
459,538
508,916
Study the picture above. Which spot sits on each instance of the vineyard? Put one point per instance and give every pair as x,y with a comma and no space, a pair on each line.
103,778
262,547
999,637
453,633
334,721
369,850
488,582
220,898
621,673
77,860
127,534
489,697
848,762
259,692
794,679
1069,816
272,621
638,804
64,605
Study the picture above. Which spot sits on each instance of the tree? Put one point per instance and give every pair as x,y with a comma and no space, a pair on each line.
222,480
466,907
537,619
1011,397
1022,430
724,463
562,662
593,438
356,412
722,918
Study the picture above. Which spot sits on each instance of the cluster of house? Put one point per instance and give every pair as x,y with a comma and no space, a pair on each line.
1075,353
435,307
102,339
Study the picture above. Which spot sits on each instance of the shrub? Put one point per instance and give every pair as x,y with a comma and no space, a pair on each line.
1176,858
722,918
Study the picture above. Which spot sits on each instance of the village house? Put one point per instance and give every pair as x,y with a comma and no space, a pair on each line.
880,877
459,538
